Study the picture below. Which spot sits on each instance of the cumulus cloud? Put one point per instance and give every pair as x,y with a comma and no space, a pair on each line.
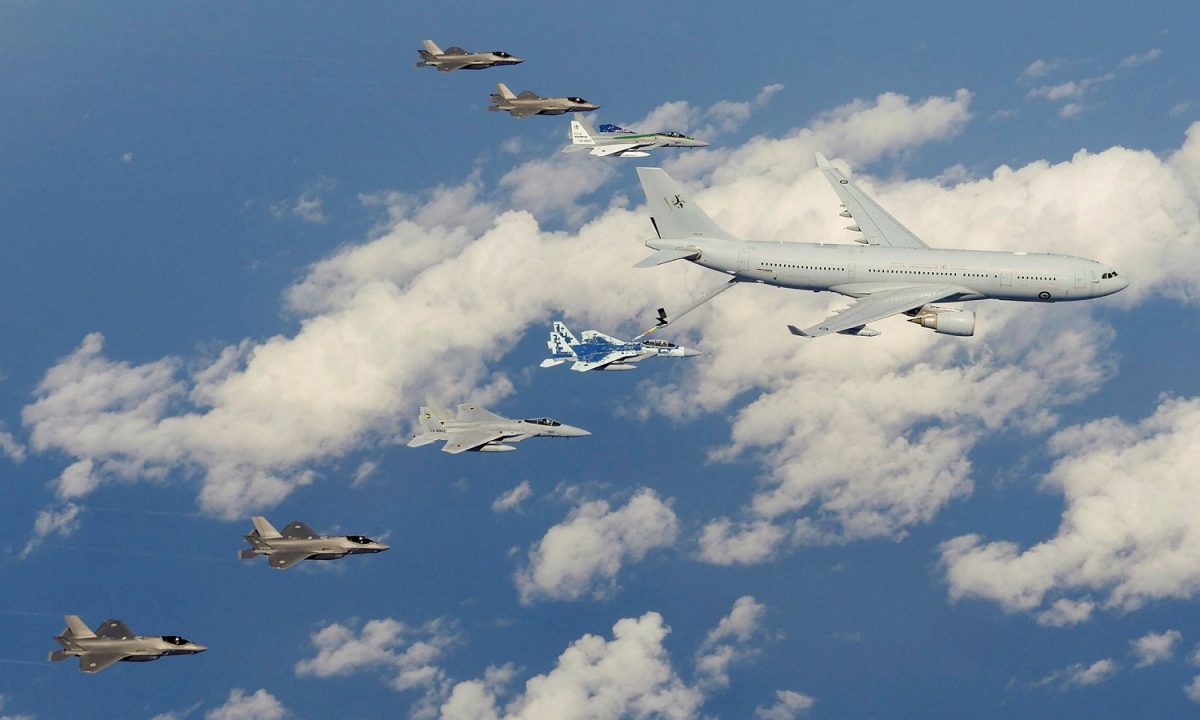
1192,689
730,642
6,716
789,705
629,676
406,654
1080,675
261,705
512,499
309,207
61,521
1129,530
260,418
582,555
1153,648
1065,612
1132,61
12,449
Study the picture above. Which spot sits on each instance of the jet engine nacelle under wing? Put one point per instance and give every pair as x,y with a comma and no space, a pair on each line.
946,321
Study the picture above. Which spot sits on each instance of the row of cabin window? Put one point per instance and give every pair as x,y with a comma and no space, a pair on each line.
906,272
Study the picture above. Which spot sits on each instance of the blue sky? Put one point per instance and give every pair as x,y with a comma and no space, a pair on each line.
242,242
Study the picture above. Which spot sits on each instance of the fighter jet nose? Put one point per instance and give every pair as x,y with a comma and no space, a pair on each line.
577,432
199,648
383,547
688,352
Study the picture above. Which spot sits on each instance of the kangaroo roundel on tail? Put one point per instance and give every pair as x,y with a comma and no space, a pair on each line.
675,214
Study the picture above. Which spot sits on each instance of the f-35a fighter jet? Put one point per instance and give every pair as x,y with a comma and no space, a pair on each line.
597,351
479,430
618,142
114,642
530,103
455,58
300,542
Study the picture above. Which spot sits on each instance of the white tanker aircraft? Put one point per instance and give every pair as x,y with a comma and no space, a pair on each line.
891,272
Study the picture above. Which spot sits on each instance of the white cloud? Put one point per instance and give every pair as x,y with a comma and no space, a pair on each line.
1065,612
365,470
1133,61
1080,675
1153,648
408,654
789,705
1194,657
1129,529
1192,689
747,544
254,422
1180,109
730,642
127,157
309,207
1070,110
629,676
5,716
62,522
14,450
1039,68
261,705
512,499
582,555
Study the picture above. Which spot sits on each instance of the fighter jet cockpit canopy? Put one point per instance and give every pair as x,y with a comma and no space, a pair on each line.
360,539
544,421
175,640
500,53
658,343
577,100
674,134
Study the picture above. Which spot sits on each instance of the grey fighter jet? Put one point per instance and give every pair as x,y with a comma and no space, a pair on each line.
618,142
114,642
456,58
530,103
478,430
300,542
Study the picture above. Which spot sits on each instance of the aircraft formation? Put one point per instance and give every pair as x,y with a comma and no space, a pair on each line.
889,271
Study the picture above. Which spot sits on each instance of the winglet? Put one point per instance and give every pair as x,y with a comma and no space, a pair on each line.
792,328
822,161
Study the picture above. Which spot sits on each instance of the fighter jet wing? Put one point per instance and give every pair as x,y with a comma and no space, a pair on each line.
878,306
878,227
522,111
114,630
95,662
283,561
606,150
464,441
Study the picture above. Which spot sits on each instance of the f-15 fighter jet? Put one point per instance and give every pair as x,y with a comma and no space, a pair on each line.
597,351
114,642
479,430
300,542
455,58
619,142
530,103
